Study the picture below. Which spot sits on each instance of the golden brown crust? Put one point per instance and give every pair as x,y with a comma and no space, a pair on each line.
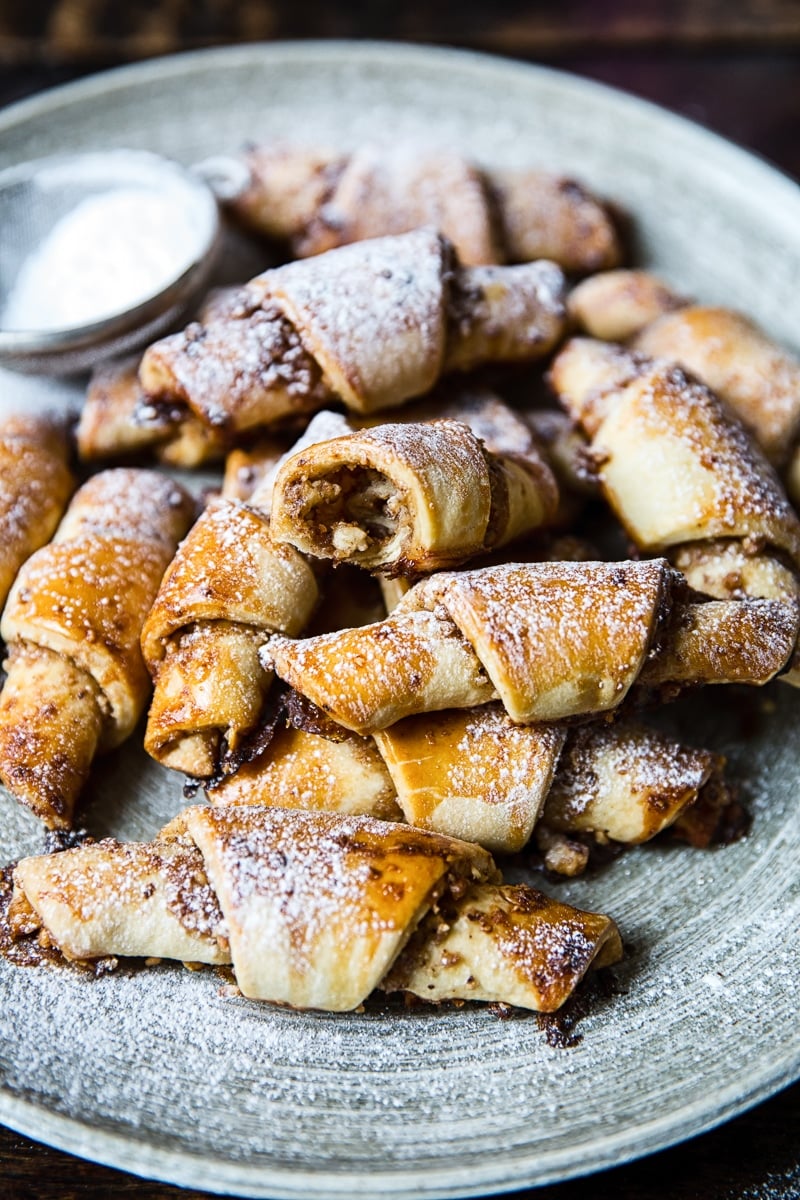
86,594
624,782
408,498
615,305
35,484
83,599
116,421
508,944
228,586
300,769
51,720
472,773
651,425
313,910
748,370
549,216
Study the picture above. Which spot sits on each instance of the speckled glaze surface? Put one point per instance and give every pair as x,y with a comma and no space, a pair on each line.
160,1073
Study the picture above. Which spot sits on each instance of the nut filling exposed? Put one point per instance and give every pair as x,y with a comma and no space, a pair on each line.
349,512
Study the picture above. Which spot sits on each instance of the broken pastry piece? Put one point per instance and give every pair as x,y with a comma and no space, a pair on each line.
409,499
315,910
35,485
317,199
77,683
373,324
117,421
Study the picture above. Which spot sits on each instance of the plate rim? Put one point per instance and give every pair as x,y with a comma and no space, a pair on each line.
126,1151
263,1182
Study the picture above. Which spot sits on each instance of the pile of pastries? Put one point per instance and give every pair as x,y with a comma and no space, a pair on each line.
386,648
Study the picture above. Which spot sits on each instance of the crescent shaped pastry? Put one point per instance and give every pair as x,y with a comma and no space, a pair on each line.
374,324
315,910
651,425
409,498
229,585
318,199
474,774
35,484
625,783
681,473
550,640
76,679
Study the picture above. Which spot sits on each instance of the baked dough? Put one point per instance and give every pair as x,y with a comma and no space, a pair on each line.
35,484
373,324
228,586
727,523
550,640
116,420
317,199
409,498
315,910
76,679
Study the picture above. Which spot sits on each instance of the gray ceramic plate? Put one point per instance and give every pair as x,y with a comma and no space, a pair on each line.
158,1073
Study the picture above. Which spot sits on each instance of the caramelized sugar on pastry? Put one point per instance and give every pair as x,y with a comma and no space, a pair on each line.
77,683
35,485
727,523
625,782
550,640
304,770
316,910
317,199
409,498
229,585
373,324
472,773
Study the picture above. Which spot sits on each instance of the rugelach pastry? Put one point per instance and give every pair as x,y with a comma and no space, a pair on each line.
681,473
77,683
315,910
756,377
409,498
550,640
35,485
373,325
474,774
317,199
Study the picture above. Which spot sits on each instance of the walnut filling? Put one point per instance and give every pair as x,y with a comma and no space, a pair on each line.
350,512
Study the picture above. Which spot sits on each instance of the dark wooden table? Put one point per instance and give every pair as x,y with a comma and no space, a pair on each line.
732,66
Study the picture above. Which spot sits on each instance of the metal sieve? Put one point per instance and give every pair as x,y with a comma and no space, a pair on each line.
102,252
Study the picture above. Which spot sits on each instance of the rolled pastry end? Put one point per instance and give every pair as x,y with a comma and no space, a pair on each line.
194,718
616,305
398,499
51,719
